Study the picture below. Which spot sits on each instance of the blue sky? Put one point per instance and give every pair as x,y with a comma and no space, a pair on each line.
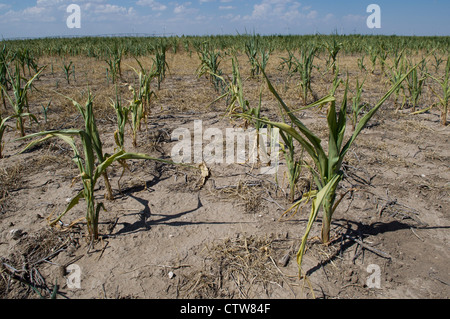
42,18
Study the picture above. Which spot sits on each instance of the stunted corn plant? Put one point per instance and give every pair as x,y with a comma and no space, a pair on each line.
3,127
305,67
373,54
114,62
265,56
4,62
382,54
90,172
361,65
122,120
210,67
237,104
90,123
289,63
445,95
67,68
357,106
326,170
137,112
397,70
438,60
235,91
252,48
25,58
119,134
293,163
160,63
333,47
45,110
415,83
145,91
19,101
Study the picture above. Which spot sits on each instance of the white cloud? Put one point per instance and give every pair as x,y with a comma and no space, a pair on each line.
184,9
44,12
154,5
281,10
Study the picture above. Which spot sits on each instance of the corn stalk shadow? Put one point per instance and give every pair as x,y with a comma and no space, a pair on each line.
352,237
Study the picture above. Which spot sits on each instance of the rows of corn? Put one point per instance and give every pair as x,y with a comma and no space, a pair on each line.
296,57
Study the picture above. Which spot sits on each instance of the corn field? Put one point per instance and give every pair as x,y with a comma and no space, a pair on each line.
102,110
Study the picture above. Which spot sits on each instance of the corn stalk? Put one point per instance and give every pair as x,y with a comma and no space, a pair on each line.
304,67
445,96
137,111
122,119
415,86
327,173
145,91
333,47
19,101
160,64
87,112
4,61
89,173
357,106
3,127
210,67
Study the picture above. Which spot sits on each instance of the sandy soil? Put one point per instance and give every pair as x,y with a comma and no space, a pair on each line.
167,236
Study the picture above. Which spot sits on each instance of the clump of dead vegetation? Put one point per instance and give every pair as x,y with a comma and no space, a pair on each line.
19,272
242,267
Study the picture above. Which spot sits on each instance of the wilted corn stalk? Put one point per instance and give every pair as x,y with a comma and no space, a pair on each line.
67,68
160,64
445,96
327,171
251,50
397,70
122,120
438,60
357,106
137,114
89,172
293,164
119,134
265,56
24,57
115,63
210,67
239,105
4,61
373,54
333,47
145,91
361,65
290,63
305,67
3,126
415,85
235,91
19,101
91,129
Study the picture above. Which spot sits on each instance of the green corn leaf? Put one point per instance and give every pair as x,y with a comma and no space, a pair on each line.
71,205
316,204
366,118
319,157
